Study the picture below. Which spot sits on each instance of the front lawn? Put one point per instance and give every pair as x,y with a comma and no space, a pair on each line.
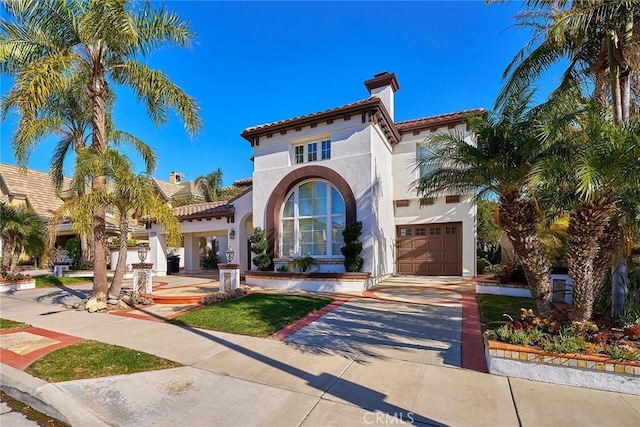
492,308
11,324
258,315
43,281
92,359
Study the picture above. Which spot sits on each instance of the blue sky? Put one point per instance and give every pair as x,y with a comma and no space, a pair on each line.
258,62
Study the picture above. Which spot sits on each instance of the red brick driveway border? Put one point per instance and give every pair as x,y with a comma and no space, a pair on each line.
21,362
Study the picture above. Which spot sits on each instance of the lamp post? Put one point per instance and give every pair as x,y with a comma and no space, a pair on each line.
142,253
229,254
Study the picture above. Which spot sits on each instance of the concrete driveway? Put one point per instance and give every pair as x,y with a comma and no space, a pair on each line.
388,330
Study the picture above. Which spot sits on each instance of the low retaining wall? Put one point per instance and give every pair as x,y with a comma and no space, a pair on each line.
579,370
321,282
507,289
17,286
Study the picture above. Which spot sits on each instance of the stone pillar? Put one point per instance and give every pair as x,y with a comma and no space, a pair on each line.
229,276
59,268
142,277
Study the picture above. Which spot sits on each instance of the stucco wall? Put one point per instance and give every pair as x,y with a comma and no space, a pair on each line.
405,173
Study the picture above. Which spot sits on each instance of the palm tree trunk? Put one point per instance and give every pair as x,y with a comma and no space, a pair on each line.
518,218
17,250
614,78
116,283
84,245
7,250
587,226
97,95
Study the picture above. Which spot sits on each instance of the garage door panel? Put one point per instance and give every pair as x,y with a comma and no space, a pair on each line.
429,249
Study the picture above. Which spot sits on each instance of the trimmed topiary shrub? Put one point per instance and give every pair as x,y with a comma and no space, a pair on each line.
259,247
74,249
352,248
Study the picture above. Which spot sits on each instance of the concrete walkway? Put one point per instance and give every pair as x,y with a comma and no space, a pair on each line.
367,362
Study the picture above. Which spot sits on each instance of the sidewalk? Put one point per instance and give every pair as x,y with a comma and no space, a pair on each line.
237,380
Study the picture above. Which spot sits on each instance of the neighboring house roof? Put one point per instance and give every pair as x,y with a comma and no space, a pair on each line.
167,189
433,122
170,190
204,210
245,182
33,185
372,105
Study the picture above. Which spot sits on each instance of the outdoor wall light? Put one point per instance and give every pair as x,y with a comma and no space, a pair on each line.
142,253
232,234
230,254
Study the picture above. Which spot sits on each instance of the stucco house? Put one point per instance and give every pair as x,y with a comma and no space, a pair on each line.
316,173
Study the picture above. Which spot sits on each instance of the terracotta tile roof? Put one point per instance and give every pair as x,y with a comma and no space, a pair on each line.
243,182
204,210
34,185
429,122
334,113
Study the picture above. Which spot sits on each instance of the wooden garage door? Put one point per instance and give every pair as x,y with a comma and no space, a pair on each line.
430,249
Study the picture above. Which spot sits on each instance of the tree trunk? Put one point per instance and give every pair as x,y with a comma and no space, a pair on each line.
7,250
84,245
614,79
518,218
17,250
116,283
97,91
587,225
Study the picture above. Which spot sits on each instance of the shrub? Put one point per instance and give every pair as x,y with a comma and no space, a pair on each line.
218,297
283,268
481,264
303,263
352,248
74,249
513,273
565,342
259,246
210,259
515,336
7,276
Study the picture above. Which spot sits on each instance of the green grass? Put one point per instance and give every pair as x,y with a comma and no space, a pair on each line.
10,324
91,359
258,315
492,308
43,281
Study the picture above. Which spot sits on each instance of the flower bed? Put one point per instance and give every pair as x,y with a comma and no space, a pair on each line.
10,282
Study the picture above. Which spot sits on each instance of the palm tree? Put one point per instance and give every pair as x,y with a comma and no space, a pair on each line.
132,196
597,37
603,160
210,185
20,230
68,115
498,163
46,43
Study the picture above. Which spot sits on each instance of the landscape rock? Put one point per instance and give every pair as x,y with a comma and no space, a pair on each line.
112,301
93,305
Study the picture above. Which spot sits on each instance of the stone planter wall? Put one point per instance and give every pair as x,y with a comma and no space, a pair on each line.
17,285
493,287
581,370
321,282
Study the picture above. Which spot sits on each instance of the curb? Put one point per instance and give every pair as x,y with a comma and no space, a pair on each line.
46,398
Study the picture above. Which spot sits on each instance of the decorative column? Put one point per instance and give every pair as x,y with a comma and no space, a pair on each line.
142,277
59,268
229,273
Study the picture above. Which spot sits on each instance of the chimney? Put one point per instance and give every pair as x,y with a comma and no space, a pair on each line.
175,177
384,85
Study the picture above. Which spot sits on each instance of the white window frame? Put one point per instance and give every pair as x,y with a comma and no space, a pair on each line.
322,151
325,149
296,222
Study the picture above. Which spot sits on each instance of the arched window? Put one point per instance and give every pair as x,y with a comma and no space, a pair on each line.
313,217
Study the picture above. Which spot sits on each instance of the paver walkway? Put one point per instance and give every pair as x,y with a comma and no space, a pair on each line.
381,361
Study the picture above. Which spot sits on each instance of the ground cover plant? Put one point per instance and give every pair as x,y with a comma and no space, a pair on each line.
556,331
258,315
43,281
91,359
11,324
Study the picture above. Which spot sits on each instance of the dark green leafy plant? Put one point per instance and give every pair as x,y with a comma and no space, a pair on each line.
259,245
304,263
74,249
352,248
